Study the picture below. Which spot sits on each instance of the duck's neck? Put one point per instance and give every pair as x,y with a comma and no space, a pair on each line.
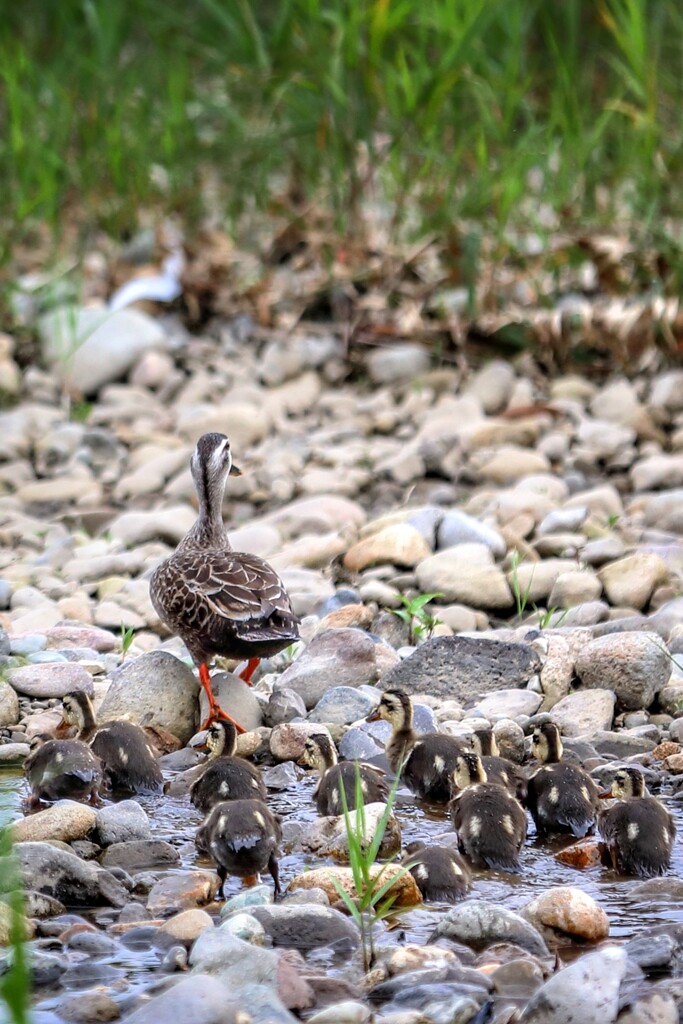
399,745
209,530
88,723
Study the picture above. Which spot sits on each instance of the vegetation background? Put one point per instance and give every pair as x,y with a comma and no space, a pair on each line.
499,112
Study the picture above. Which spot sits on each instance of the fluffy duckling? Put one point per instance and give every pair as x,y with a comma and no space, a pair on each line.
242,837
440,873
226,777
490,822
428,762
320,753
128,759
638,833
498,769
62,769
560,797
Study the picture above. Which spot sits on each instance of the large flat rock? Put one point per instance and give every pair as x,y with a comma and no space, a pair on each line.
464,668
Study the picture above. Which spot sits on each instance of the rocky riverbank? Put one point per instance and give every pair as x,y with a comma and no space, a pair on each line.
544,514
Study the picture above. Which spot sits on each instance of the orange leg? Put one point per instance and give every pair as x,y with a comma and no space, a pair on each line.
248,672
215,710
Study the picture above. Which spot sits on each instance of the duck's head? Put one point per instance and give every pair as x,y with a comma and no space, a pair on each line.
628,782
468,771
221,739
395,708
319,753
212,463
38,741
76,710
484,742
546,743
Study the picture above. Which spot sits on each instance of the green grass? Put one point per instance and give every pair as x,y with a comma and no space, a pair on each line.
503,112
414,613
15,984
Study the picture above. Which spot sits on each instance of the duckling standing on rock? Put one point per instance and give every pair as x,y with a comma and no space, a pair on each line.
128,759
490,823
560,797
226,777
638,833
220,601
440,873
428,762
319,752
498,769
242,837
62,769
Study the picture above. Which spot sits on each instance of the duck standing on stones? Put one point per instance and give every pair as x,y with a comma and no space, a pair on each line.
220,601
226,777
320,753
491,824
638,832
498,769
428,761
560,797
242,837
129,761
62,769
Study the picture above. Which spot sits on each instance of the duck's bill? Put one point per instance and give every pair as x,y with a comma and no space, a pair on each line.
303,763
235,470
62,730
606,794
374,716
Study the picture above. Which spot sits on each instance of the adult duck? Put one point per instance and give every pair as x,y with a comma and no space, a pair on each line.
220,601
560,797
320,753
427,761
638,832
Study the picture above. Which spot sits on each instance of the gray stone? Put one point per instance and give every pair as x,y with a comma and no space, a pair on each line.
391,364
136,854
458,528
154,689
197,998
587,991
334,657
479,924
368,739
9,705
75,883
51,680
14,753
265,1007
92,346
281,776
656,1006
219,953
342,705
236,697
463,668
508,704
621,744
308,927
510,739
635,666
466,574
327,836
283,706
122,822
585,711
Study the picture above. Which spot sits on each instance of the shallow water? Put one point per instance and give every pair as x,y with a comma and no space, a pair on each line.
175,820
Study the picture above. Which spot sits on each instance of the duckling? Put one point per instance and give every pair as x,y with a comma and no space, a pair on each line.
128,759
638,832
428,762
242,837
560,797
498,769
490,823
319,752
227,777
62,769
440,873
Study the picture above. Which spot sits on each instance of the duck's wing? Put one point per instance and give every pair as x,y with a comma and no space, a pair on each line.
236,587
